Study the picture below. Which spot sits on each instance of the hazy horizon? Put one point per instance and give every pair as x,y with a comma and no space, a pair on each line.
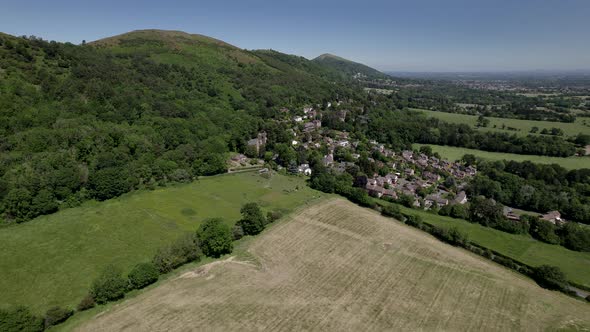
422,36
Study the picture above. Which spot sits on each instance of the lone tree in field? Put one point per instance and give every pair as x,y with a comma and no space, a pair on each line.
215,237
253,220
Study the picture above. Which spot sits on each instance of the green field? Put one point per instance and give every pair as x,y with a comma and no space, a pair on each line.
52,260
455,153
581,125
523,248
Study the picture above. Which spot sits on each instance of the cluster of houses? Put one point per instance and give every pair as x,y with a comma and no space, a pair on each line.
413,171
553,217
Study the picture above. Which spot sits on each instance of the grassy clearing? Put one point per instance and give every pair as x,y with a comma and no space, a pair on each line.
523,248
53,259
581,125
455,153
336,266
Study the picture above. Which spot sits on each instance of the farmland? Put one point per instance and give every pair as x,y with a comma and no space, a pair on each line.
581,125
455,153
335,266
52,260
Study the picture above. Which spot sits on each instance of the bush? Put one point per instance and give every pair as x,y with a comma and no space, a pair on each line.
550,277
392,210
142,275
109,286
19,319
86,303
57,315
215,238
237,232
414,220
273,216
185,249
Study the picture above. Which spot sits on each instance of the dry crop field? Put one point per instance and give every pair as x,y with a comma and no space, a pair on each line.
335,266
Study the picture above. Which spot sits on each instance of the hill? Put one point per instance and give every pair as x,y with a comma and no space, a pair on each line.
135,111
350,68
335,266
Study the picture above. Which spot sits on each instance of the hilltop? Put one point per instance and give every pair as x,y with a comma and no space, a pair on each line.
348,67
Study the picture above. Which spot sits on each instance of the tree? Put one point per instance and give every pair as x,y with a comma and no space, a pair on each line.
253,220
19,319
469,159
426,149
550,277
541,229
142,275
215,237
108,183
110,285
485,211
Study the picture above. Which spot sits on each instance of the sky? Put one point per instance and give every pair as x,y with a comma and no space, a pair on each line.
418,35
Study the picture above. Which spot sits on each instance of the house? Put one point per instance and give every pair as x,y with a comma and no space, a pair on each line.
328,159
306,110
343,143
407,155
312,125
374,191
409,171
297,118
435,198
294,142
382,180
389,193
432,177
553,217
461,198
258,142
509,214
239,158
304,169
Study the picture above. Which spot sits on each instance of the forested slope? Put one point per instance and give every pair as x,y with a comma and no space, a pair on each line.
133,111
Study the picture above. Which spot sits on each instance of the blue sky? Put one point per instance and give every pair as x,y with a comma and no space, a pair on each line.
422,35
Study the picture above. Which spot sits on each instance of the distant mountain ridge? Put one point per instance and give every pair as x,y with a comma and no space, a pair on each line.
351,68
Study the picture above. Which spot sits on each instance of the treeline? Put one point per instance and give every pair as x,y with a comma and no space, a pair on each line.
401,128
535,187
81,122
214,238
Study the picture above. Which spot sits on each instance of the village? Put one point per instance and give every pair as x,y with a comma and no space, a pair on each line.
428,180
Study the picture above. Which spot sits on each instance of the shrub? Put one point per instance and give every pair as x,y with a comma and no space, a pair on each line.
57,315
185,249
414,220
109,286
215,238
550,277
457,237
273,216
237,232
19,319
142,275
86,303
392,210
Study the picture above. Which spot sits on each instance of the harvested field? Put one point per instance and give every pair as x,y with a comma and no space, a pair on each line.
335,266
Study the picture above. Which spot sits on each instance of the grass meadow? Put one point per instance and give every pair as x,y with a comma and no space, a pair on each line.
53,259
581,125
455,153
